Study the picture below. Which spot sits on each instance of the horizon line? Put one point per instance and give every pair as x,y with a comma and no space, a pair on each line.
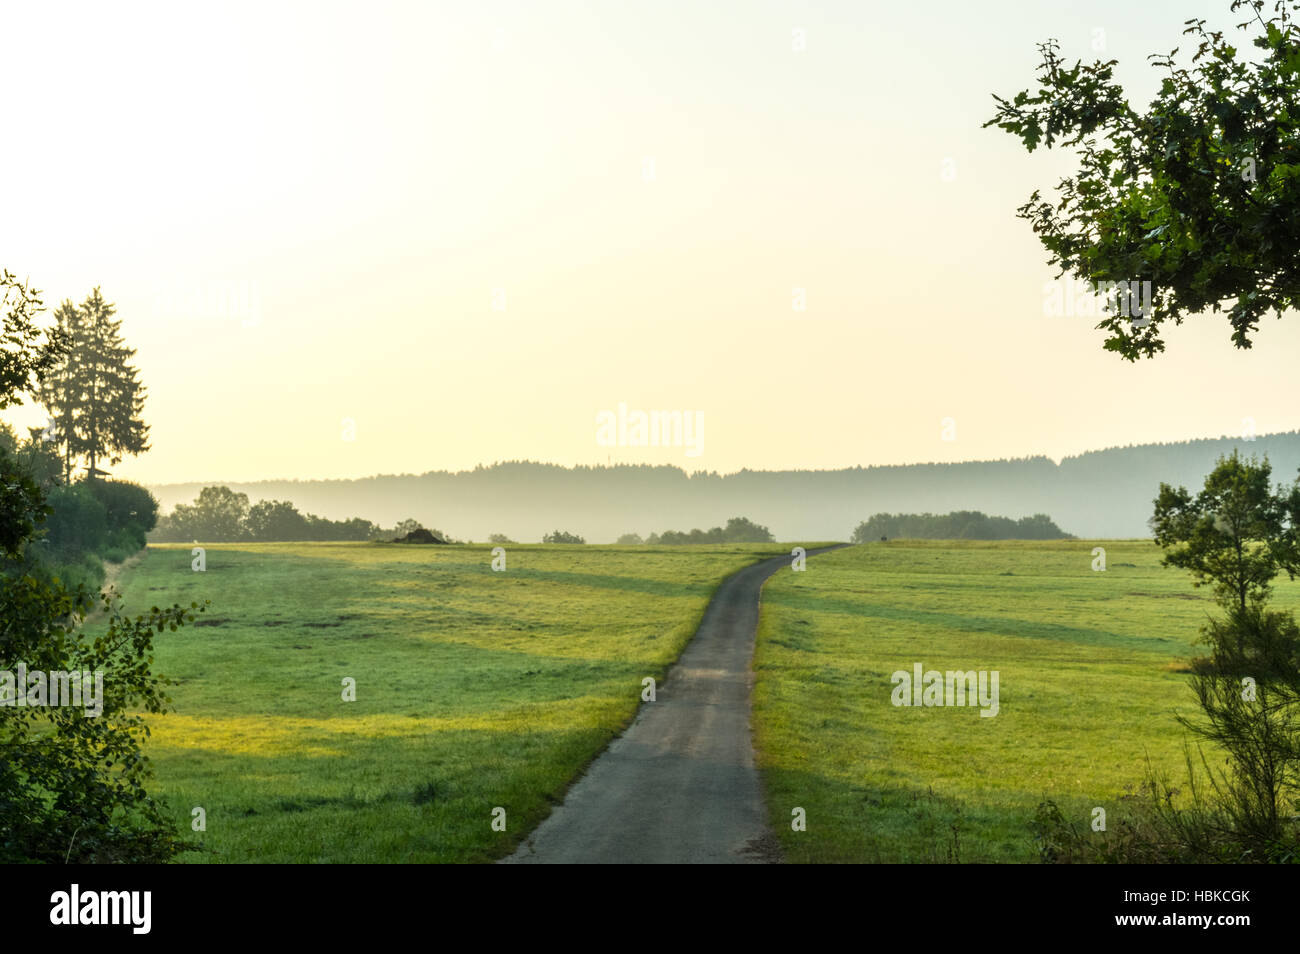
1056,462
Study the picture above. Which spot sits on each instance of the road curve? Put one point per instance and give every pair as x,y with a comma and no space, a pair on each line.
679,786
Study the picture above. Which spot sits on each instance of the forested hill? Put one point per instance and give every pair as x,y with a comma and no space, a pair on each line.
1104,493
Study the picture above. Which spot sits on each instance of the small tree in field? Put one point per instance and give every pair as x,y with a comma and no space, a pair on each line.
1237,535
217,515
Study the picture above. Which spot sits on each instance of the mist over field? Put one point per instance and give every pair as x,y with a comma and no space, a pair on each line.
1105,493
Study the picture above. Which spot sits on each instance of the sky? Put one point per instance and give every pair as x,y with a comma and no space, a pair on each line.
350,239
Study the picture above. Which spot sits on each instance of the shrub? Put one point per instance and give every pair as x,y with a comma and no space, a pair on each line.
78,520
127,506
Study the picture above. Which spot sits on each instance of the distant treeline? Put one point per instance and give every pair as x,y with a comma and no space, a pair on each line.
737,530
221,515
958,525
1106,493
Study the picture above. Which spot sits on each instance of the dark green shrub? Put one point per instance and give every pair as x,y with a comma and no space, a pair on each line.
128,540
127,506
78,521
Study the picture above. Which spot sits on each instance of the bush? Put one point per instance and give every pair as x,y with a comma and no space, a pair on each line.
78,520
72,788
127,506
127,539
84,570
1159,824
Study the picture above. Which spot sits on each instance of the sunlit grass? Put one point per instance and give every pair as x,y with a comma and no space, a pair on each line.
474,689
1088,690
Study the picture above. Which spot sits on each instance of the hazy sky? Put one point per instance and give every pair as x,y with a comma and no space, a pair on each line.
467,228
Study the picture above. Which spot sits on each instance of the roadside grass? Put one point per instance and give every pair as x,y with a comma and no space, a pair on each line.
1090,682
474,689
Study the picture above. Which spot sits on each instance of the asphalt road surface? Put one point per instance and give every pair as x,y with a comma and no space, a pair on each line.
679,786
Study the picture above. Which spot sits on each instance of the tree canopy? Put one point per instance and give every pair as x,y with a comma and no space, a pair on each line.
93,393
1199,194
1237,534
958,525
737,530
72,777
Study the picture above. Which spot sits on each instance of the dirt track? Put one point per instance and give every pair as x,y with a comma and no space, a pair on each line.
679,786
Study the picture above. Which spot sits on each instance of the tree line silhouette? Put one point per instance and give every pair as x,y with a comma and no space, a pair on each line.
1102,493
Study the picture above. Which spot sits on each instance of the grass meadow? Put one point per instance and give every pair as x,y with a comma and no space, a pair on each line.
477,690
474,689
1089,684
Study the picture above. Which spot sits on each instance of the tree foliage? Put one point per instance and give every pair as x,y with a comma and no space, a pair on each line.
958,525
562,536
1199,194
1237,535
737,530
26,351
218,515
72,782
221,515
94,394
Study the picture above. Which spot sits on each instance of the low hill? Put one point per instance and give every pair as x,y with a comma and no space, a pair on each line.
1104,493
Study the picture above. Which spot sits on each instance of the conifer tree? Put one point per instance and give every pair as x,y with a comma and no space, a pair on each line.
94,395
59,388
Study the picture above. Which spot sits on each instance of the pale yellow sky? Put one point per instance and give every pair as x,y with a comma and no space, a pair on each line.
469,228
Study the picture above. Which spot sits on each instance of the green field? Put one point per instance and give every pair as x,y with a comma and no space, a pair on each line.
477,690
1088,689
474,689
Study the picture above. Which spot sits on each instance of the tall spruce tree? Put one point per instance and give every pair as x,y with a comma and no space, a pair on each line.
95,396
59,389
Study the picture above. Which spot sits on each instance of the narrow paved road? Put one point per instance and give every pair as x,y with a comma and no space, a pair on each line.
679,786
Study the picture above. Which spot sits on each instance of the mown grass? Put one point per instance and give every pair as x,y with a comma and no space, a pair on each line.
1089,685
474,689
